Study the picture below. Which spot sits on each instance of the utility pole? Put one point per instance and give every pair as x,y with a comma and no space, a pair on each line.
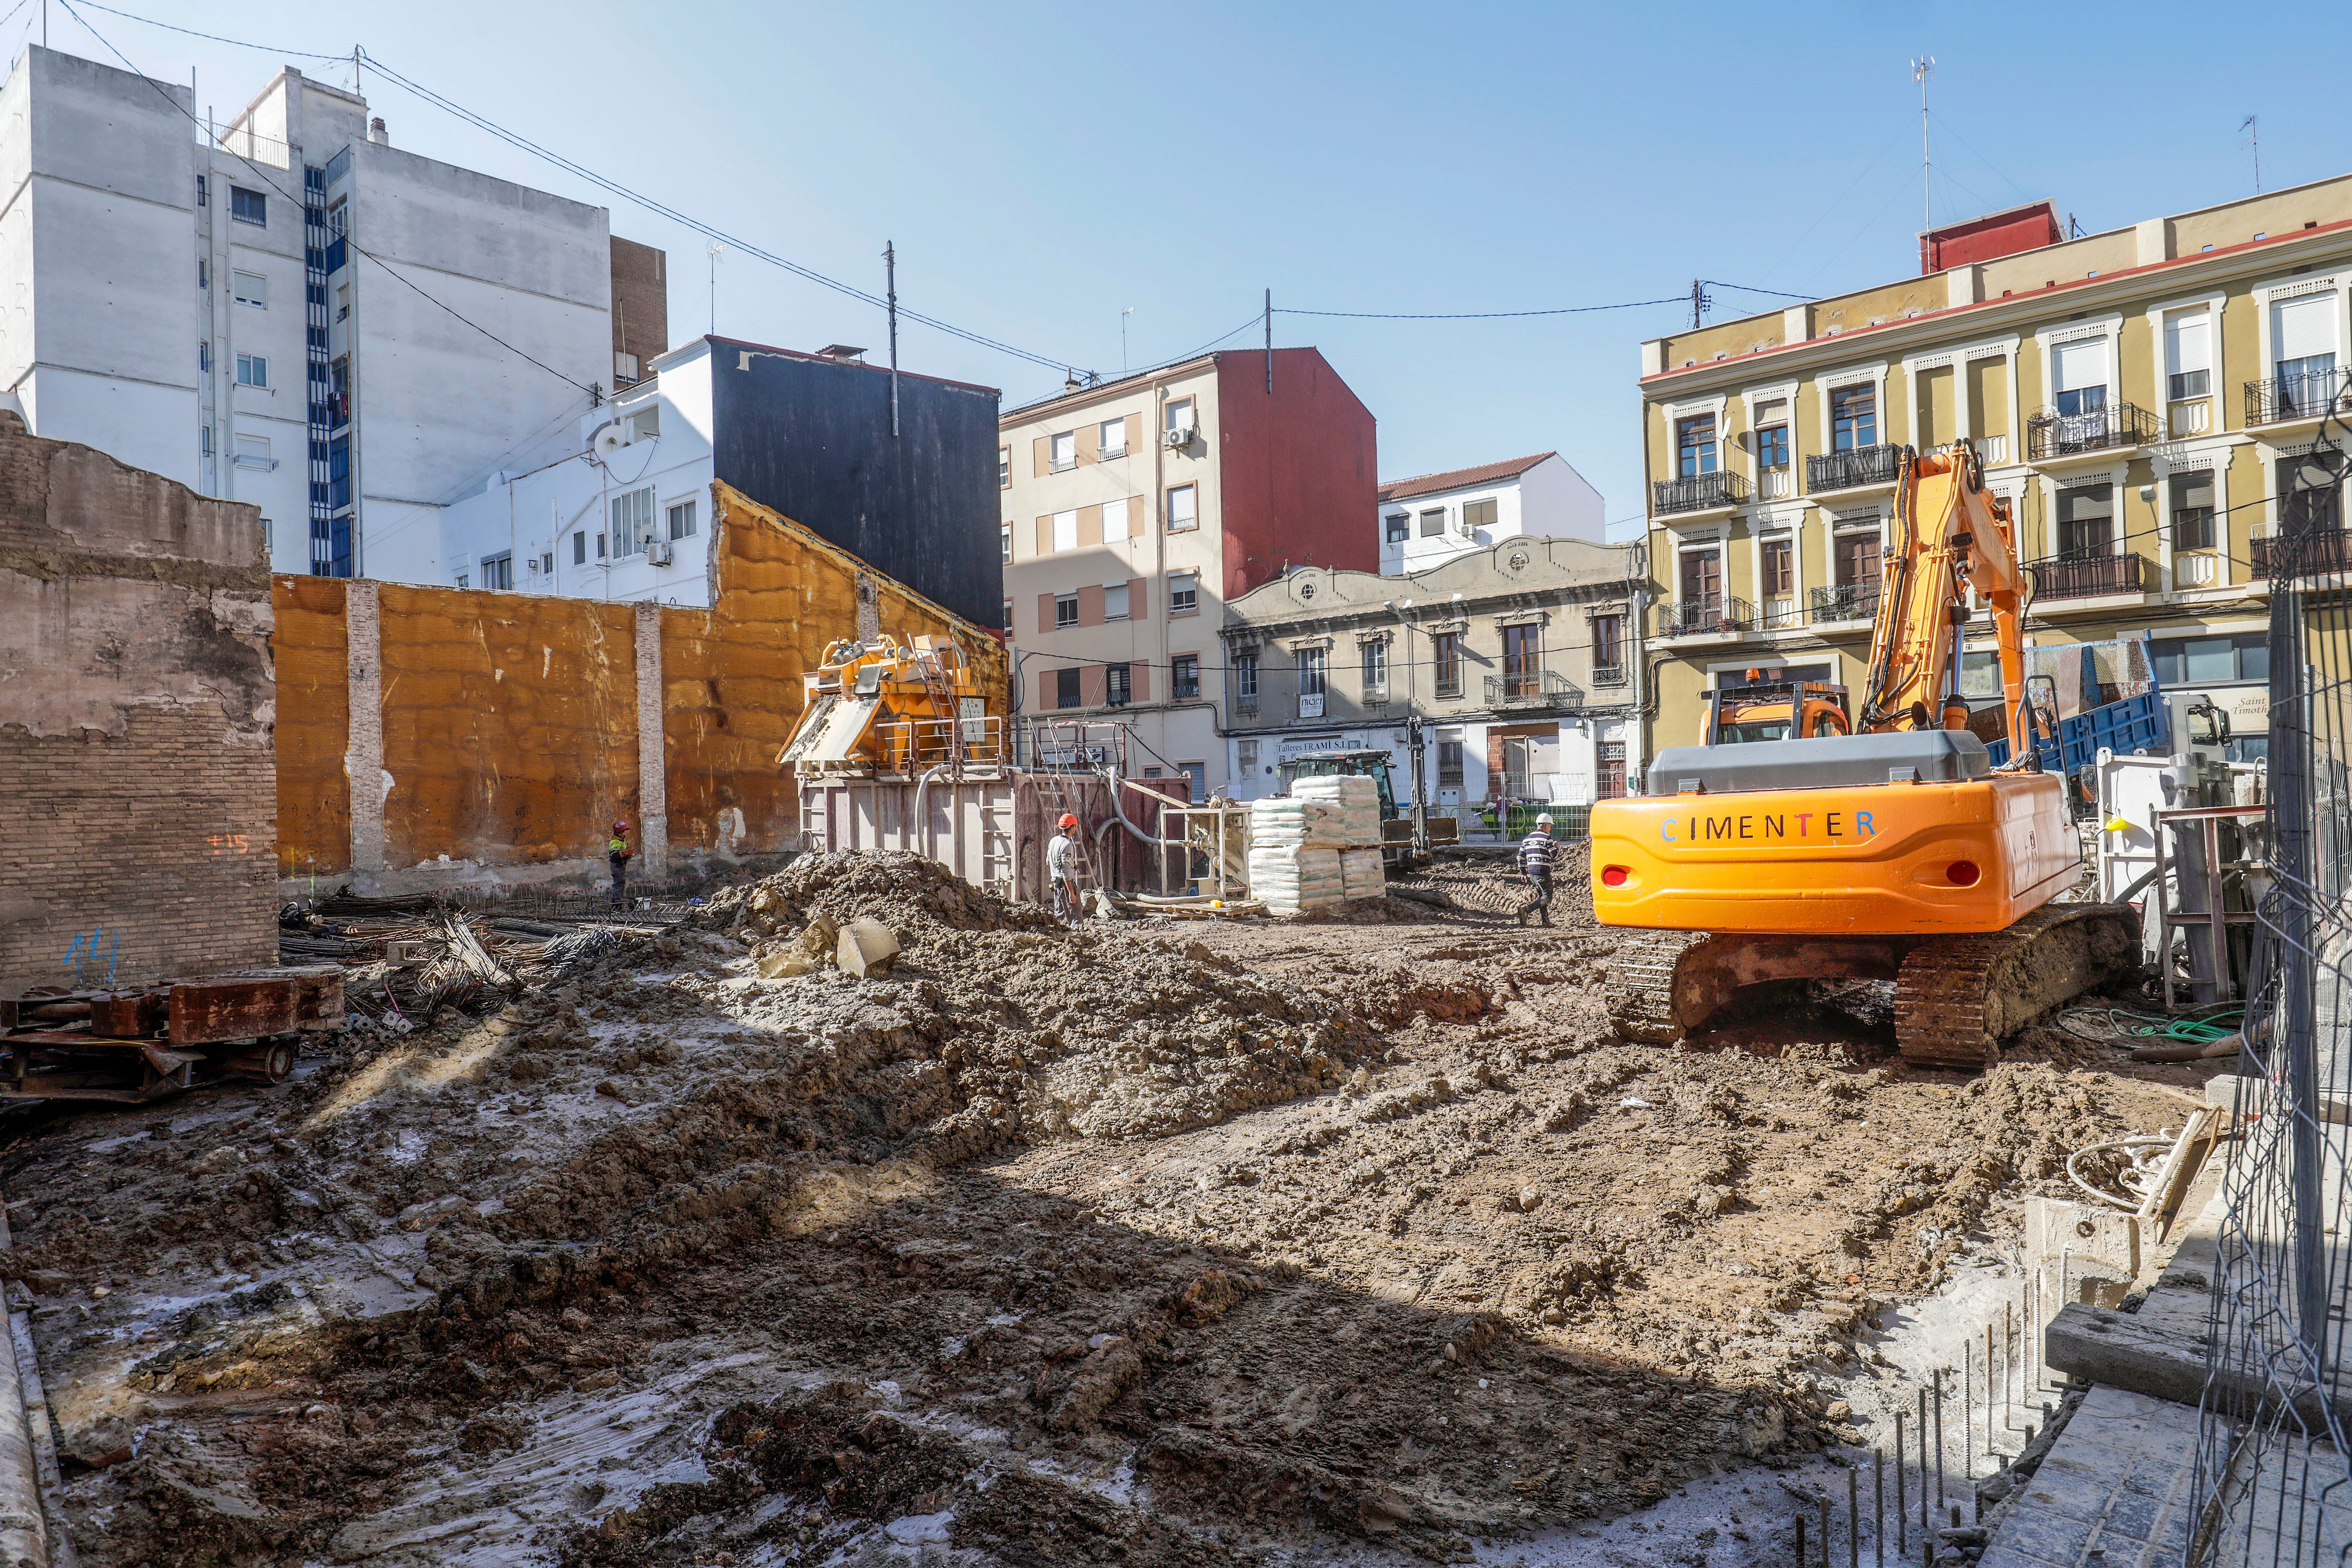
1921,69
890,289
1699,302
1270,342
2253,133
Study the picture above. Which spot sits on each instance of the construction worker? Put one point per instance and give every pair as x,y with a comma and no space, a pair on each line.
617,852
1536,856
1062,867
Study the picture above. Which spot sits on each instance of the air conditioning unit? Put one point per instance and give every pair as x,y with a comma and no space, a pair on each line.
658,551
1180,435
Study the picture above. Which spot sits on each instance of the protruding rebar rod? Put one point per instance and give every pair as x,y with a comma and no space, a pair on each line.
1902,1517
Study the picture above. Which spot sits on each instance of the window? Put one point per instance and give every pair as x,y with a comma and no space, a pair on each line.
338,473
252,370
1449,765
1114,601
2086,521
1065,688
1854,418
253,452
204,357
1694,445
600,545
1007,622
625,366
204,273
1065,610
248,206
631,519
1433,522
1005,471
200,192
1116,690
1180,414
1245,757
1007,542
1184,593
2186,661
1772,433
2308,495
1608,642
1856,556
204,440
1375,654
1066,531
1780,567
1448,646
1702,576
1184,676
249,289
2303,351
580,548
1198,772
498,570
1246,676
680,517
1479,514
1113,438
1063,452
1609,770
2188,356
2192,510
547,564
1182,514
465,579
339,391
339,216
645,426
1522,660
269,538
1400,527
1312,665
2079,372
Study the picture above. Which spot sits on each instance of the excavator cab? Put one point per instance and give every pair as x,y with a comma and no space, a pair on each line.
1765,708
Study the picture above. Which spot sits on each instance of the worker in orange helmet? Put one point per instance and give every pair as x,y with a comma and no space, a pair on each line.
1062,867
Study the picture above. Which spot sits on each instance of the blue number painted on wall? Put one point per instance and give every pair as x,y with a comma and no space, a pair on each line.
84,948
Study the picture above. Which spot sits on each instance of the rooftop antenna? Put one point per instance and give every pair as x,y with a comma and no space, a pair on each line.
716,250
2255,140
1922,68
1123,315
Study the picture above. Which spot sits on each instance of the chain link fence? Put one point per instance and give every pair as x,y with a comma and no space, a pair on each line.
2274,1462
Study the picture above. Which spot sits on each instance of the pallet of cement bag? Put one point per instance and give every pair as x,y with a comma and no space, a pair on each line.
1294,877
1358,798
1287,821
1363,873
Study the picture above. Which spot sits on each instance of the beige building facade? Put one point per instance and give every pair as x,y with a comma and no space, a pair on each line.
2144,398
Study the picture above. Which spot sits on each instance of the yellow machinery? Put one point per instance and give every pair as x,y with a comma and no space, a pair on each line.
1896,852
884,707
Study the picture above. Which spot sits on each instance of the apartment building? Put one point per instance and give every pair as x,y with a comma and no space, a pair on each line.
1517,662
625,514
1135,511
1429,520
286,310
2144,398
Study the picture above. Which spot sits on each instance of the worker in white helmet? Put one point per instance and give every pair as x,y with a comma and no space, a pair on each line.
1538,854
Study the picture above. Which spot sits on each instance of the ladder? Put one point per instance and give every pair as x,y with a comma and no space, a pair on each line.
1060,803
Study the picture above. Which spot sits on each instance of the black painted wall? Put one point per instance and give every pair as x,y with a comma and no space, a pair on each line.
811,437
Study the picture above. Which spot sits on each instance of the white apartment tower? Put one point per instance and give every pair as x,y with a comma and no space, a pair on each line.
288,310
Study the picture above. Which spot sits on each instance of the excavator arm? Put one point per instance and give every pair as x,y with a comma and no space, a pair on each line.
1950,534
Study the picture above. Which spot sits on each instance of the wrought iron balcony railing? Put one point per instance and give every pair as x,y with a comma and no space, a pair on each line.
1846,602
2050,433
1879,465
1532,689
2087,576
2304,555
1696,492
1713,614
2311,395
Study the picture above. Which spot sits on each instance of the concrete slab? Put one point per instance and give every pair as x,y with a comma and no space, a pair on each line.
2116,1482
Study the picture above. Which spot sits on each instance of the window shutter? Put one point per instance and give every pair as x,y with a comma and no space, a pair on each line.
1044,457
1090,605
1045,536
1044,612
1139,602
1094,686
1134,431
1138,682
1090,525
1047,696
1089,442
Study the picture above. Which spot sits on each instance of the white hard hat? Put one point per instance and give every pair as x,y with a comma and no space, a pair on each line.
1545,820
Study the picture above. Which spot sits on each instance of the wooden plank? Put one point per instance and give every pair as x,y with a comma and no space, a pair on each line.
232,1007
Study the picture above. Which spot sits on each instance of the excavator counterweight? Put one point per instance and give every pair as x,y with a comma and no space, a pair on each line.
1795,852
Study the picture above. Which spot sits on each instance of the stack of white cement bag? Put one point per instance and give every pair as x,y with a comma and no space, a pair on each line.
1319,845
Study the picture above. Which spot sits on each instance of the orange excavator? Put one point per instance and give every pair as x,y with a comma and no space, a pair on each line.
1898,852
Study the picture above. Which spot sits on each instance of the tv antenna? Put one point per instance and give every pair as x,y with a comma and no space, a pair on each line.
1922,68
2255,140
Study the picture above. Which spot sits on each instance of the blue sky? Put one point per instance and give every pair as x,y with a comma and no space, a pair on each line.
1041,169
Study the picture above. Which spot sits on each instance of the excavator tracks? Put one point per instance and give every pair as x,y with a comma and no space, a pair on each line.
1958,997
1640,992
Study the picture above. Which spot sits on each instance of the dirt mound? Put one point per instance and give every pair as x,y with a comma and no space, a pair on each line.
913,896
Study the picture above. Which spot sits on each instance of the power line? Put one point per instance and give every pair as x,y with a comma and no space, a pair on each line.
209,38
1473,315
293,201
1748,288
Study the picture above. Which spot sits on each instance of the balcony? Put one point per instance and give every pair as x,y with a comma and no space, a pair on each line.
2303,555
2050,436
2087,576
1855,469
1247,704
1714,615
2315,394
1696,492
1846,602
1532,689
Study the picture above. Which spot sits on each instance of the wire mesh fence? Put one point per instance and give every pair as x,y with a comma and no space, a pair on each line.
2274,1462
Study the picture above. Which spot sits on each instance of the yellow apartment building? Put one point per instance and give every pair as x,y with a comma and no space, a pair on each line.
2144,398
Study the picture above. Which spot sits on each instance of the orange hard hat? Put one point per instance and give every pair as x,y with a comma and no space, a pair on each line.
1067,821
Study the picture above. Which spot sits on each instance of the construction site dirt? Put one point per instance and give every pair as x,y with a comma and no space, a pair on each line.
1150,1243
